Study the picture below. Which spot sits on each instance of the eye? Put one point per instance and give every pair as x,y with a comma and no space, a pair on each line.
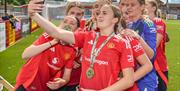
78,14
65,21
72,13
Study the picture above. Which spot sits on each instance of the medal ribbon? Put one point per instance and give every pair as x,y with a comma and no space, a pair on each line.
94,52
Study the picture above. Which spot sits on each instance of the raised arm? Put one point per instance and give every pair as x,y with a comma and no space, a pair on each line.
48,27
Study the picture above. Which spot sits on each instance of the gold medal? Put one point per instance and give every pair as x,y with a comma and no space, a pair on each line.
90,73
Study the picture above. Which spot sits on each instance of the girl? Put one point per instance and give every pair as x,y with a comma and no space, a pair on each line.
45,59
104,56
91,24
75,9
146,30
160,61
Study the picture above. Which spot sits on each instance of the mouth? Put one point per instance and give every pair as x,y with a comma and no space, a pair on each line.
100,20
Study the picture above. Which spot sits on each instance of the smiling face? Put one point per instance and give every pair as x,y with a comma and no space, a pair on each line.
132,8
109,16
76,12
97,6
71,22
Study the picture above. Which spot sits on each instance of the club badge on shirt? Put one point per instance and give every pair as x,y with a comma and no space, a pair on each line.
66,56
110,45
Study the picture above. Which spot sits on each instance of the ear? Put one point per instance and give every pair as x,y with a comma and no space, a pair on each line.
114,20
154,8
142,7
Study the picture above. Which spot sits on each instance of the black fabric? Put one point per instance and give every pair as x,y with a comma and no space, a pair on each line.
161,85
21,88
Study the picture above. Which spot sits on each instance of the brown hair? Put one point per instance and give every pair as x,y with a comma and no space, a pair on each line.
154,4
117,14
73,4
141,2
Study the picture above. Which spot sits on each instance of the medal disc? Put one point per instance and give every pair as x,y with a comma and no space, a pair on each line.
90,73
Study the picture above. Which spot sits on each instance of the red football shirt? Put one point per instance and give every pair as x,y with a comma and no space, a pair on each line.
45,66
160,51
137,51
113,57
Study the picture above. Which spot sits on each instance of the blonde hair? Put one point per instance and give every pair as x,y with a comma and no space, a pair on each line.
73,4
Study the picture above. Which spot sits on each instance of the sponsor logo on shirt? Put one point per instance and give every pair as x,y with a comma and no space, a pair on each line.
100,62
54,60
137,47
45,35
91,42
130,58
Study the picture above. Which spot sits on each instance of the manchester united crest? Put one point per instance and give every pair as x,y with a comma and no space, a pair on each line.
66,56
110,45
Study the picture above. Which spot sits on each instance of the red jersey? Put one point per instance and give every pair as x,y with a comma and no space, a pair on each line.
45,66
113,57
137,51
82,23
160,54
75,73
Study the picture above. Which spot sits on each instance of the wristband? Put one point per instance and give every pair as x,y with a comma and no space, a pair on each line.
50,44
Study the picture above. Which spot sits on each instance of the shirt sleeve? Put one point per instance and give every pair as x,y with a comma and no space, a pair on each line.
137,48
150,37
126,58
160,26
70,62
42,39
79,38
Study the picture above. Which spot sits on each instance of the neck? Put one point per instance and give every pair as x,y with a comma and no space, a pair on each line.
135,18
151,16
106,31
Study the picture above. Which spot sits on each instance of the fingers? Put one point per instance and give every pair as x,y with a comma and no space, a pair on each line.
57,80
36,1
35,6
52,85
76,65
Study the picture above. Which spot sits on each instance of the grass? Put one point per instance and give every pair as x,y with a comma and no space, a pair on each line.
10,59
173,54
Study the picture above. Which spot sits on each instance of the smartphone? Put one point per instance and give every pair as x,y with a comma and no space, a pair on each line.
41,2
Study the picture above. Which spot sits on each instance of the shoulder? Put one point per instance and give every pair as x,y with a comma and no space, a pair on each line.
148,23
158,21
121,41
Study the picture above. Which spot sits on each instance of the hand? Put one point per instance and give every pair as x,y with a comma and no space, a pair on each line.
76,65
130,33
57,83
54,41
35,6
